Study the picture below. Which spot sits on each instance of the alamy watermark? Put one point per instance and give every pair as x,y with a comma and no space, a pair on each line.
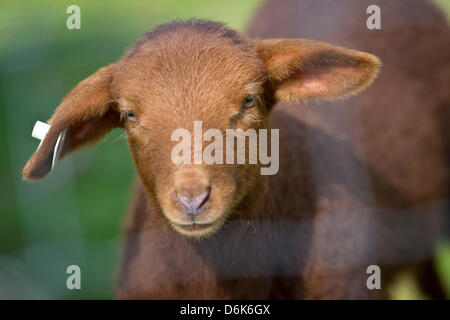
374,280
73,282
74,20
234,140
374,20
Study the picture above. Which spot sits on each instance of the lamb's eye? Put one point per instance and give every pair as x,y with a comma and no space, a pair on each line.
249,101
130,116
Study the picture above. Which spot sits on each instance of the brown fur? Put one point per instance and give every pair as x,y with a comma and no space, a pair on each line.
398,129
344,198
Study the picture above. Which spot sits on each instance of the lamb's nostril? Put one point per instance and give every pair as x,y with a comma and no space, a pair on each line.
192,205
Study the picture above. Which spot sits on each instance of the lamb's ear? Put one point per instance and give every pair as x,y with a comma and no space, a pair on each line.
87,113
303,69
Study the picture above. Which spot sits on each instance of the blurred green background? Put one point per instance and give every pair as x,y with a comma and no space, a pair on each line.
76,214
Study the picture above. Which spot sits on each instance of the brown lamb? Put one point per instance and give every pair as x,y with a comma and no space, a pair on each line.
362,181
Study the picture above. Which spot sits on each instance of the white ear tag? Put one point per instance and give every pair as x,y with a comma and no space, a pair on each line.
40,131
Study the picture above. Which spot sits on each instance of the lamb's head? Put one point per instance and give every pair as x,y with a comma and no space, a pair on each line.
178,91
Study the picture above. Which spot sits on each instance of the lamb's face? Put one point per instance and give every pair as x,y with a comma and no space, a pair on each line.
175,86
198,75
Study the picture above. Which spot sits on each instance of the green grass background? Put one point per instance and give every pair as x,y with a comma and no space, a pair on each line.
76,214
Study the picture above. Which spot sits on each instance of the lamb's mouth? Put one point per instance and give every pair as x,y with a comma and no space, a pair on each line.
195,226
198,229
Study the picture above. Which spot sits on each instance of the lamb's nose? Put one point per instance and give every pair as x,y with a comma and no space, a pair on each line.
193,199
